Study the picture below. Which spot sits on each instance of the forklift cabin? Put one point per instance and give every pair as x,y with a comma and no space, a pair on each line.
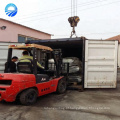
31,67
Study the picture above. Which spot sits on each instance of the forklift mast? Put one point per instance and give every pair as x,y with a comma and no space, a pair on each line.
58,61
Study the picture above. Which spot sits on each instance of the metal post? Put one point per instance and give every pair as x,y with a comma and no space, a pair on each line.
35,61
83,62
67,70
46,61
9,59
9,55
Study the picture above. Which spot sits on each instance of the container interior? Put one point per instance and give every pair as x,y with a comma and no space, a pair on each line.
71,49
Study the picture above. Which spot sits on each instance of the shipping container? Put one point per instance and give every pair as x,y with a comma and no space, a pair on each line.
4,54
98,57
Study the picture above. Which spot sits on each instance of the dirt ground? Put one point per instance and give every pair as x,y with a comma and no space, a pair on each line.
92,104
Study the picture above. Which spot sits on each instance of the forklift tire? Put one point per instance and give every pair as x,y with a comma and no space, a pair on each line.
62,85
28,97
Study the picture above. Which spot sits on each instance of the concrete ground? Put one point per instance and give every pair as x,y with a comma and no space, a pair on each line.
92,104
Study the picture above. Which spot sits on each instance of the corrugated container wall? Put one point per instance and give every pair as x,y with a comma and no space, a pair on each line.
4,54
100,64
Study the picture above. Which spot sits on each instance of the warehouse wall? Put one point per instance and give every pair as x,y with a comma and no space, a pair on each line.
10,34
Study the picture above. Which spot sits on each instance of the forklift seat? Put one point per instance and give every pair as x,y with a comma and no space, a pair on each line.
24,67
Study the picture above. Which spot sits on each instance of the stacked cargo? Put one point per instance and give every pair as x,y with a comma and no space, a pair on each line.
75,68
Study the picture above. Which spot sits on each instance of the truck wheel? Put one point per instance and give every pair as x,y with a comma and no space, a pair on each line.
61,88
28,96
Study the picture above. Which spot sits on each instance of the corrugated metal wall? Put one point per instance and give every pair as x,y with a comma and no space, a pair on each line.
119,56
4,54
100,64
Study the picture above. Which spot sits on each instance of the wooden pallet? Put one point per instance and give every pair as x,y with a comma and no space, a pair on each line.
75,86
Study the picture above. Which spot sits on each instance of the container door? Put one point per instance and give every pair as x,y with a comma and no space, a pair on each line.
100,64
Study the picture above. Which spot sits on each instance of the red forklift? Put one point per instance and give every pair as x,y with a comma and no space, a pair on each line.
27,83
